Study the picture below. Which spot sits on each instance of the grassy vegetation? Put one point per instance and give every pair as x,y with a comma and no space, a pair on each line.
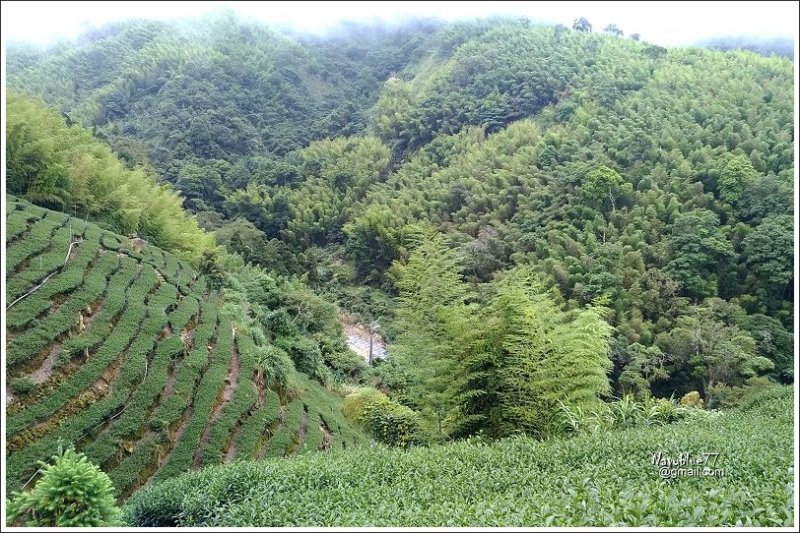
106,444
92,370
204,402
329,408
188,373
132,352
604,479
536,219
19,219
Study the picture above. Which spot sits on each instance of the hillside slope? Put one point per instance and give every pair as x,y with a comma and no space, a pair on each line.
125,350
154,87
656,178
606,479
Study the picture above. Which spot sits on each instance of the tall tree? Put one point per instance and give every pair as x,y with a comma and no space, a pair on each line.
435,324
768,249
713,352
548,355
699,252
737,174
581,24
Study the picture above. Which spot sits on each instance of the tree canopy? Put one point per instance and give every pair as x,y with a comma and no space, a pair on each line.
447,171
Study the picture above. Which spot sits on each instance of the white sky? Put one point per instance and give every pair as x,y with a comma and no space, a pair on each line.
666,23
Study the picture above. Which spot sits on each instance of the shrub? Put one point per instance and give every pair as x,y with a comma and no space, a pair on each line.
355,403
662,411
692,399
346,364
276,365
278,322
394,424
71,493
22,385
625,413
575,420
306,355
727,397
387,421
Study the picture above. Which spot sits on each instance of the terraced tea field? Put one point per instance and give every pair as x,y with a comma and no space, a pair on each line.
122,349
604,479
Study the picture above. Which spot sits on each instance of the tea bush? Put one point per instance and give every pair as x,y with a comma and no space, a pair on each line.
602,479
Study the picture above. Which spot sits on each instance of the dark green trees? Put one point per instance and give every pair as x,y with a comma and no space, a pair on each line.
656,178
737,174
769,251
700,251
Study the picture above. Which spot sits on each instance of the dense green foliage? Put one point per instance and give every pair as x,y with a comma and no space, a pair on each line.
126,351
628,413
498,362
660,179
556,230
65,168
72,492
607,478
217,99
385,420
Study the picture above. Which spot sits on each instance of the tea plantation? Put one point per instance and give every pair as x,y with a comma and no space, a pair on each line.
604,479
122,349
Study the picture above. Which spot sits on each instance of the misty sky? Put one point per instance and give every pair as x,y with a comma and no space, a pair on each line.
666,23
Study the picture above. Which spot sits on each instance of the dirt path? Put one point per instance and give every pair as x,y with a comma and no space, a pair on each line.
187,336
261,387
258,381
169,387
301,435
230,455
326,434
43,373
227,393
172,377
92,310
303,426
233,374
